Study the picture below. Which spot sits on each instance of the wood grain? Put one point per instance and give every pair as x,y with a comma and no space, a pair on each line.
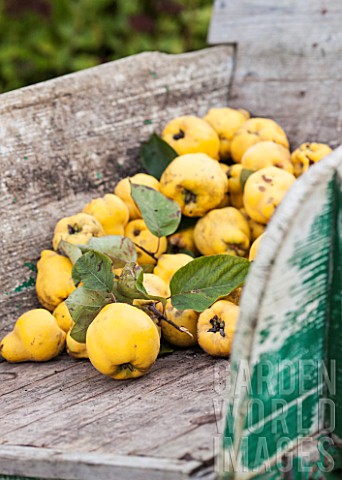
68,140
80,410
287,63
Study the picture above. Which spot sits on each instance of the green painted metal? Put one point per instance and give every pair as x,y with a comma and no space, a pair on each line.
286,363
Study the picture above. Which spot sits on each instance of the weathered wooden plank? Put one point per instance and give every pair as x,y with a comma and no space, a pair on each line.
111,412
68,140
50,463
80,410
287,62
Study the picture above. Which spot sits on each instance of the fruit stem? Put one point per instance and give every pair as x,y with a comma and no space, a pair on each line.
146,251
158,314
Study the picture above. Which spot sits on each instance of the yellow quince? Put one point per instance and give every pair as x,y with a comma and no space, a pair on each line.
36,337
226,121
196,182
111,212
256,130
54,281
77,229
190,134
122,341
223,230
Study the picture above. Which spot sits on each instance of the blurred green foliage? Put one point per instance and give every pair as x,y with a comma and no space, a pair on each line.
42,39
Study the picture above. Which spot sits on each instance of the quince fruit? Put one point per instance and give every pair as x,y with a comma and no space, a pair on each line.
122,341
254,248
169,263
190,134
196,182
77,229
267,154
216,328
223,230
183,318
182,241
256,130
225,122
63,317
264,190
75,349
54,280
111,212
36,337
307,154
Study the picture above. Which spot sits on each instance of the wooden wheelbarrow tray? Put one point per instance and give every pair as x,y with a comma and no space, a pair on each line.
68,140
64,142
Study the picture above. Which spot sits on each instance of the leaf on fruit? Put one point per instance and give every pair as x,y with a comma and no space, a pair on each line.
83,306
156,154
118,248
201,282
161,215
94,269
130,284
244,176
70,250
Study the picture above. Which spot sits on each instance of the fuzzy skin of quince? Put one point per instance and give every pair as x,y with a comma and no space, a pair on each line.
264,190
253,131
111,212
254,248
223,230
36,337
169,263
216,328
77,229
75,349
267,154
307,154
122,341
54,281
226,121
190,134
140,235
63,317
183,318
196,182
182,241
123,190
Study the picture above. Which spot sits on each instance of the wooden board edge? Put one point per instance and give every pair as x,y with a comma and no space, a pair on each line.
49,463
22,96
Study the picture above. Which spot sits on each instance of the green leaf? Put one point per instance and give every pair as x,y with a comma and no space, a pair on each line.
95,271
70,250
130,284
118,248
161,215
201,282
84,305
165,348
244,175
156,154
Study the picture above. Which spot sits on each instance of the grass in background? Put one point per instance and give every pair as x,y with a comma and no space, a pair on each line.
42,39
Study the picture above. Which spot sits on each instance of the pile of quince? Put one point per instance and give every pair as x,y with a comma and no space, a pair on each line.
131,268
